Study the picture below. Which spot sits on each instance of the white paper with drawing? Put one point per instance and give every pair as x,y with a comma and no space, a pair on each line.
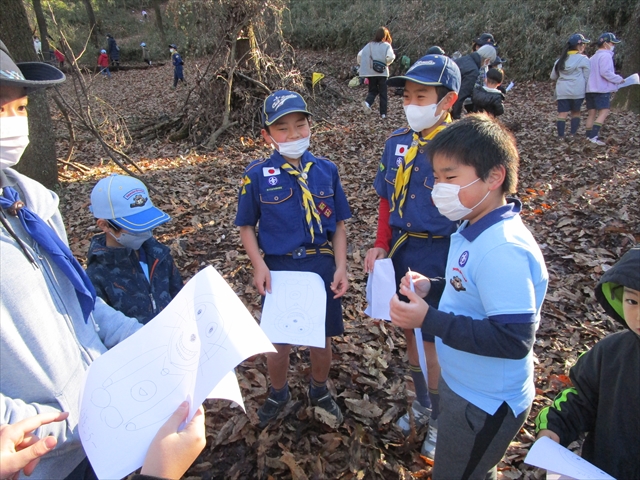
547,454
294,312
381,287
188,352
630,80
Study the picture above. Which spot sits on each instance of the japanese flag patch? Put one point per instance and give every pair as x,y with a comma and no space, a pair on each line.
269,171
402,150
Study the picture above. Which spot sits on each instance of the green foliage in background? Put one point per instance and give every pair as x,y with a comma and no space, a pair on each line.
530,34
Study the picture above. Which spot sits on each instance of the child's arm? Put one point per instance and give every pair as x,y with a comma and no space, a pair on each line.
574,410
382,244
340,281
607,71
508,330
261,274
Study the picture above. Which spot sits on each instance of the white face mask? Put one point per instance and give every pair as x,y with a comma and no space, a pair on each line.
612,48
445,196
293,149
14,138
422,117
133,240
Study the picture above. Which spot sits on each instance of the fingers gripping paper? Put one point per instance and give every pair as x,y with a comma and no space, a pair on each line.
188,352
295,310
381,287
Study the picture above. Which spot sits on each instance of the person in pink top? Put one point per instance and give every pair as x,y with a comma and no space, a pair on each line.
602,81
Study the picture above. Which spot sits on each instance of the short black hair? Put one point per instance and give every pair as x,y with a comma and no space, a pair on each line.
442,91
482,142
495,75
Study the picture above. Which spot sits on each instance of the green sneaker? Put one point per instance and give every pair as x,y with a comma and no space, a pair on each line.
327,403
271,408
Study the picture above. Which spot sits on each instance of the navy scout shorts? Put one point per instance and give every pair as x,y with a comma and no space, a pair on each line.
598,101
325,266
569,105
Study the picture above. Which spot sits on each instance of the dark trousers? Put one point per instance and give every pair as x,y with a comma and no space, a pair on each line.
378,86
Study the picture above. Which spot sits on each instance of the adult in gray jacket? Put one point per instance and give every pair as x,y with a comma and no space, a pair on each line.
52,325
374,60
571,71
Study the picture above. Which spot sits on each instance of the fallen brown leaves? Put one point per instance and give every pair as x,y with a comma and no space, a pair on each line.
581,202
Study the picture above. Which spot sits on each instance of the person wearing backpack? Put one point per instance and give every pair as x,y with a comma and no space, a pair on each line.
374,60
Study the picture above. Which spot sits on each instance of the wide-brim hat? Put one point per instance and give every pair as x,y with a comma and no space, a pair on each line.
434,70
281,103
30,75
125,201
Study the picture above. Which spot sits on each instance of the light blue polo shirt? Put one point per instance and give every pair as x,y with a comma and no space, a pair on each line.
494,267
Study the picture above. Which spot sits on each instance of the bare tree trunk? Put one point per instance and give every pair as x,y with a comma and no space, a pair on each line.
42,27
629,98
158,15
39,159
92,22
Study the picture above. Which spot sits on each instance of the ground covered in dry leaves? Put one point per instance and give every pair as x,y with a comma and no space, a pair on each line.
581,202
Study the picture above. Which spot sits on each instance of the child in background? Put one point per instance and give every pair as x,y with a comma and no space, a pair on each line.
411,231
602,82
488,98
606,382
59,57
145,54
489,311
103,63
298,202
177,62
571,71
130,270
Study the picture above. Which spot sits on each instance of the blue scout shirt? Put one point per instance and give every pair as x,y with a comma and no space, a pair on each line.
176,59
272,196
420,215
495,274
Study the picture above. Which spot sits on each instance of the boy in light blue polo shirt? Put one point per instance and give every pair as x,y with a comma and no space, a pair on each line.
492,294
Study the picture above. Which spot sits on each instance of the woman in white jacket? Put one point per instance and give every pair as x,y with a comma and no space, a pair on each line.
374,60
571,71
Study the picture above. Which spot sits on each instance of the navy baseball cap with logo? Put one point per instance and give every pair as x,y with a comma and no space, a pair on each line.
30,75
577,39
608,37
125,201
435,70
281,103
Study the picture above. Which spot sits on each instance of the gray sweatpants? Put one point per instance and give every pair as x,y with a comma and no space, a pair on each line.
471,442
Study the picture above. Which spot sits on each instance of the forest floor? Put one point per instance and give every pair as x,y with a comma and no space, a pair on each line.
580,201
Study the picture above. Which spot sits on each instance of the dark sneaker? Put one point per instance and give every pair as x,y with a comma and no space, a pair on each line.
327,403
271,408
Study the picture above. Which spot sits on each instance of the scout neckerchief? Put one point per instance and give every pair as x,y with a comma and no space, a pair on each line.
572,52
49,241
310,210
403,174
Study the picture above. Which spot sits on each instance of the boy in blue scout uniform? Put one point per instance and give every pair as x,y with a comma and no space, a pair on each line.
411,231
490,302
130,270
301,207
176,61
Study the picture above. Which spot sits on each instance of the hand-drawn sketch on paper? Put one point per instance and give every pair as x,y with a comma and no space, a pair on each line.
187,352
294,312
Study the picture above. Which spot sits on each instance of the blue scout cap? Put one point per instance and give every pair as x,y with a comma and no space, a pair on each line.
435,50
608,37
30,75
577,39
281,103
125,201
485,39
436,70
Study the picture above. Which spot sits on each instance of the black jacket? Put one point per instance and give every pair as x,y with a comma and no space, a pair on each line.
606,387
469,66
486,101
119,280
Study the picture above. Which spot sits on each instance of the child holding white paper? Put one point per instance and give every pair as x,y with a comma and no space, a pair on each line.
298,200
606,382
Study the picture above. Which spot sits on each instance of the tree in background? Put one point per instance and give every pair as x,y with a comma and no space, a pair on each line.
39,159
92,22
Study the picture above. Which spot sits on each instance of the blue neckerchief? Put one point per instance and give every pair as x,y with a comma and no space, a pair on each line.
58,251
